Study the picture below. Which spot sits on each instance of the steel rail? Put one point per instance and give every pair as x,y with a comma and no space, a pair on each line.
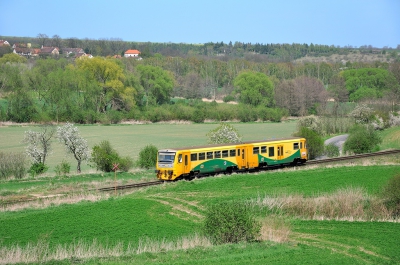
344,158
130,186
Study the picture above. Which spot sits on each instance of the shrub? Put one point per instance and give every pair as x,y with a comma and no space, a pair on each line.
104,157
362,139
37,169
148,157
63,168
315,144
391,194
230,222
332,150
198,115
12,164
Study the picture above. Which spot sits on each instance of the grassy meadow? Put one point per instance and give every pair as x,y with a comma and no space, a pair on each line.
163,215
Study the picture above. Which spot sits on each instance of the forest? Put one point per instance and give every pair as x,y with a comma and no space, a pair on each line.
169,82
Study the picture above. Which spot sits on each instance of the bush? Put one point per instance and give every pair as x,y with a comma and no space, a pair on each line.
315,144
148,157
391,194
104,157
37,169
332,150
230,222
362,139
12,165
63,169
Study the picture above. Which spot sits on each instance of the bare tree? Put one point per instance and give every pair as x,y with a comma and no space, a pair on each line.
42,39
56,41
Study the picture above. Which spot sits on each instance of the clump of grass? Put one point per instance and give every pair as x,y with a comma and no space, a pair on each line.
344,204
42,252
54,200
275,229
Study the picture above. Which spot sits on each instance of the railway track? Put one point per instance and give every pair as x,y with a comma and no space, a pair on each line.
310,162
344,158
131,186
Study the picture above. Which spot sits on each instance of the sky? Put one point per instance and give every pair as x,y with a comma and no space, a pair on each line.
340,23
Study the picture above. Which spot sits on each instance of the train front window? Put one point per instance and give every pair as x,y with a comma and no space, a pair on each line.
166,157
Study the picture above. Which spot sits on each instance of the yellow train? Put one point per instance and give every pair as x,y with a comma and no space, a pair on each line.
177,163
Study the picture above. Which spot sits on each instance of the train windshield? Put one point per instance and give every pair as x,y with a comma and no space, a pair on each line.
166,157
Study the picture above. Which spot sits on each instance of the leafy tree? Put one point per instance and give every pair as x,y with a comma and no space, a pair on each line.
109,77
315,144
68,135
12,58
230,222
157,83
39,143
372,82
148,156
362,139
254,88
21,107
224,133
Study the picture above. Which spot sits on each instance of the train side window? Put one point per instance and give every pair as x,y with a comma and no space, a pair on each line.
295,146
202,156
217,154
225,153
193,157
180,158
263,149
232,152
271,151
301,145
256,150
209,155
238,152
186,160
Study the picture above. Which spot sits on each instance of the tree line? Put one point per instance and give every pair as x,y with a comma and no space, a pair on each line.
269,51
104,89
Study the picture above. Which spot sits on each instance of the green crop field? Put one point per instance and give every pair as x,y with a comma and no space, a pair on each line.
128,140
174,210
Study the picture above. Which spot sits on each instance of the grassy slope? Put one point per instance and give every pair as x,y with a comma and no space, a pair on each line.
390,138
175,210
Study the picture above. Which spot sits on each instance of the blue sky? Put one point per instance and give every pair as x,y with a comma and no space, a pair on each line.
339,23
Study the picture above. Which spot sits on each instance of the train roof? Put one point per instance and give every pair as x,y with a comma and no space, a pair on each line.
231,144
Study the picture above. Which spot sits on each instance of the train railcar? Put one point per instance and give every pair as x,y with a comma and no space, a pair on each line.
176,163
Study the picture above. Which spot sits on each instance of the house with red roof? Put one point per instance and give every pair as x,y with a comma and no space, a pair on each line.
132,53
4,43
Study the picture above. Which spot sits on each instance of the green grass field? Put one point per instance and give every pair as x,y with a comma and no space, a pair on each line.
175,209
128,140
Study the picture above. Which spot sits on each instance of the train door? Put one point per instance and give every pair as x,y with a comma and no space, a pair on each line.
280,152
241,157
183,161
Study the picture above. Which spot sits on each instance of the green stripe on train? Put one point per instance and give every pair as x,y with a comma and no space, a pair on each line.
215,165
286,160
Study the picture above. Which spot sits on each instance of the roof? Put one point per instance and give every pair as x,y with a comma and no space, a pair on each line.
48,49
132,52
4,42
231,144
